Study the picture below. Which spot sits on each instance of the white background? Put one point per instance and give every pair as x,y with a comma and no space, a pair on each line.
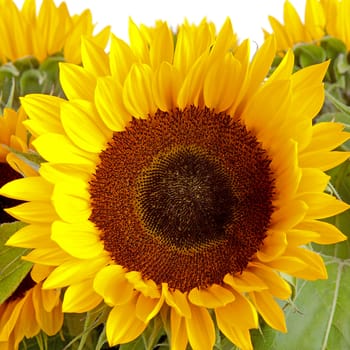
248,16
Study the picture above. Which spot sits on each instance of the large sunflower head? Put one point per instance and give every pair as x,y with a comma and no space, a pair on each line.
180,182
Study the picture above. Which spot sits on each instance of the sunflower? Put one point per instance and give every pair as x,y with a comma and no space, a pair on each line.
13,137
322,18
50,31
34,42
180,183
28,310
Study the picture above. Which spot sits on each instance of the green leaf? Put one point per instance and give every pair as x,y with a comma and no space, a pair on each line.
319,318
12,268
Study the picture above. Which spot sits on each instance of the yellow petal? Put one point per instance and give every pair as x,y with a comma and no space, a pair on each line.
137,91
322,205
288,215
327,233
29,188
211,297
111,284
47,256
276,284
221,84
245,282
49,321
32,236
147,308
94,58
71,201
235,320
269,310
123,325
34,212
110,105
166,86
84,241
120,59
178,334
83,127
80,297
162,46
147,287
44,113
73,271
77,82
324,160
200,329
177,300
313,180
58,148
273,246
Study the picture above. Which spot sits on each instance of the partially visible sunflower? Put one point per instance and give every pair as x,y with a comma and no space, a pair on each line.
29,310
180,182
33,43
52,30
322,18
13,137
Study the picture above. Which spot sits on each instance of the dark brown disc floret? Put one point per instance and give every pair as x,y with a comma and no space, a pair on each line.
184,197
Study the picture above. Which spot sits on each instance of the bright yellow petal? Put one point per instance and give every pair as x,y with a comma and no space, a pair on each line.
110,105
211,297
178,334
273,246
269,310
137,91
327,233
322,205
58,148
80,297
178,301
30,189
200,329
76,82
33,212
83,127
43,111
235,320
147,308
123,325
94,58
245,282
111,284
84,241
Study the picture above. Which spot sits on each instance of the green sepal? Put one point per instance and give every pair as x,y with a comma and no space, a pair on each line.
12,268
333,46
308,54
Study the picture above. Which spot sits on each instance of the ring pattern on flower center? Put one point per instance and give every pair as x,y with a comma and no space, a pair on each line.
184,197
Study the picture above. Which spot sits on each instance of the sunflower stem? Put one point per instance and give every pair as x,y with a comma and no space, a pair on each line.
85,332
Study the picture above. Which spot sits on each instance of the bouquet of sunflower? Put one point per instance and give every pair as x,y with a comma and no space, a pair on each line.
177,191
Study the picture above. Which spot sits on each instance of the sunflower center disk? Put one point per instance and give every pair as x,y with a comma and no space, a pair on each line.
184,197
